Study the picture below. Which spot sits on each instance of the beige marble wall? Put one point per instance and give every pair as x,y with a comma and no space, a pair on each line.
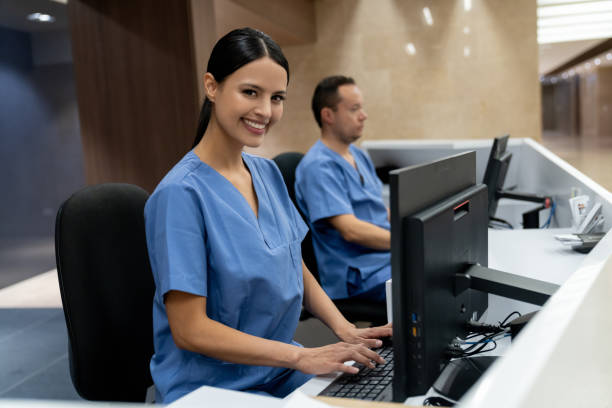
440,92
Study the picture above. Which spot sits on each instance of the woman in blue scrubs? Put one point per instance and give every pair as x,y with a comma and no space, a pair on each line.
224,244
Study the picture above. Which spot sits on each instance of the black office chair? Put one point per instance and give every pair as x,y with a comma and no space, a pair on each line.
107,291
352,309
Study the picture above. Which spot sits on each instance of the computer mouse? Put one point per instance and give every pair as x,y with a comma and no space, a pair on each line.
460,374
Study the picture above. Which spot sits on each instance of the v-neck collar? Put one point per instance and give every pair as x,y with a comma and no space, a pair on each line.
254,180
343,162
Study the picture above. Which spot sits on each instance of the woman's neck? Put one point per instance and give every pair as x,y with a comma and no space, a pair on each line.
217,150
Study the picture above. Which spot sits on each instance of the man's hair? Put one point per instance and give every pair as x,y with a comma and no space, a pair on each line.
326,94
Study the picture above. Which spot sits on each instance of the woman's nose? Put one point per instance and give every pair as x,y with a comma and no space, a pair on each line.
264,109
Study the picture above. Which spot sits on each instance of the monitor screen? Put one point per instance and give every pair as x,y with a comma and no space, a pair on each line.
439,224
495,173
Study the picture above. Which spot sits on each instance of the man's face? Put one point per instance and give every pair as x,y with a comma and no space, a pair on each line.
349,116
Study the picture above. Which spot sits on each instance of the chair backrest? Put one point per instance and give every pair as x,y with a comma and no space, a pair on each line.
107,291
287,163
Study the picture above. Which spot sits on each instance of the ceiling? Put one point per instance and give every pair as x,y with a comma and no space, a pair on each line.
13,15
551,55
556,54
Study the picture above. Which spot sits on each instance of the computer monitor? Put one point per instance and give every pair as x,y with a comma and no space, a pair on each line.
494,178
495,173
439,224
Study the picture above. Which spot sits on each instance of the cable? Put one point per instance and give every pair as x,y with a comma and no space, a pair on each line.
438,402
550,215
505,323
501,221
489,332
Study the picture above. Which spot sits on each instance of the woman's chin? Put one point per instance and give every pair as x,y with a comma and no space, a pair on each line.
254,143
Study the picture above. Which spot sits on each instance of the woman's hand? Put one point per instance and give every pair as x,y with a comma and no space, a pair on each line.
327,359
368,337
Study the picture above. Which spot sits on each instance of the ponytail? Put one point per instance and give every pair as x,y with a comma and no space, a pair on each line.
203,121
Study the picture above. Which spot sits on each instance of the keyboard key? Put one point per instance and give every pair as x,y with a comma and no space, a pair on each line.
368,384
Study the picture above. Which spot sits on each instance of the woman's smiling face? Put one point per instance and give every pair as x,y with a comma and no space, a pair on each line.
249,101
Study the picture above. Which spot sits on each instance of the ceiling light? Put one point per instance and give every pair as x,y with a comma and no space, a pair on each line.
609,56
582,32
41,17
410,49
597,61
578,19
466,51
428,16
590,7
573,20
467,5
466,30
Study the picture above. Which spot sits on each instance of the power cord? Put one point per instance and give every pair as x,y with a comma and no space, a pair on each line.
500,222
438,402
489,332
550,215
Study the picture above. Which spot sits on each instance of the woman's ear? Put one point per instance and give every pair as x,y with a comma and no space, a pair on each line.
210,86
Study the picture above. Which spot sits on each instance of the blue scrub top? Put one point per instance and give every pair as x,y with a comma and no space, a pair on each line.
204,239
327,185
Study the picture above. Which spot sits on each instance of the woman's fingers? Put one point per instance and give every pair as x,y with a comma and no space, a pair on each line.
372,343
365,356
332,358
346,368
375,332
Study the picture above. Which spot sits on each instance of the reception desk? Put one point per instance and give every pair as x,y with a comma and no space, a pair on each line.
562,357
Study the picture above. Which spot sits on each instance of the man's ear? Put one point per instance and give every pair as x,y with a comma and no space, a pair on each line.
210,86
327,115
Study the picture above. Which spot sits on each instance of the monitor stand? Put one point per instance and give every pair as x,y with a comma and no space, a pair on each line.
460,374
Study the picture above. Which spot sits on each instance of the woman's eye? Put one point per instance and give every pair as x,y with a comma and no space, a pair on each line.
278,98
249,92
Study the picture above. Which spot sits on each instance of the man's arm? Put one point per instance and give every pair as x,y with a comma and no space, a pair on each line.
361,232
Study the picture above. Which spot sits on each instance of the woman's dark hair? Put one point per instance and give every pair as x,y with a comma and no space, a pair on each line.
234,50
326,94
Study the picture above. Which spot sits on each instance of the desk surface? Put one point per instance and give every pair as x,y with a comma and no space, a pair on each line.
532,253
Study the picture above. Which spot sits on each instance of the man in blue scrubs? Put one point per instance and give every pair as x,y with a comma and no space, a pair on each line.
337,189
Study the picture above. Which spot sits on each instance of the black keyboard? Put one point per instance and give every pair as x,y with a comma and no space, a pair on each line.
369,383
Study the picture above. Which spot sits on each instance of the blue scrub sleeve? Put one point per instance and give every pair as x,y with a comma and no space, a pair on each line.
176,240
325,191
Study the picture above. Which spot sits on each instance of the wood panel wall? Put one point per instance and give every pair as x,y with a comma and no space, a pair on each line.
136,87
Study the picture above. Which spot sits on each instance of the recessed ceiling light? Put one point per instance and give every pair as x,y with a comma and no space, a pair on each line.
467,5
41,17
410,48
597,61
428,16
